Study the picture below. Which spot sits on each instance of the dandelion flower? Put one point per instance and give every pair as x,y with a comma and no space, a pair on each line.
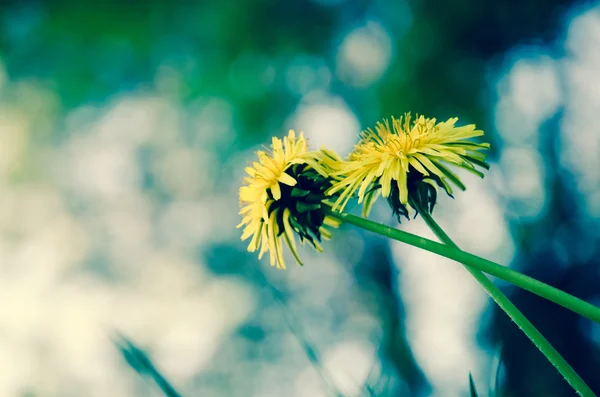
283,195
406,161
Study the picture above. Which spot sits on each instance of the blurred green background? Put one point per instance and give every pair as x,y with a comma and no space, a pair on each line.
124,130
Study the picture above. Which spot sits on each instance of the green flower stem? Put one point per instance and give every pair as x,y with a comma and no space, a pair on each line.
475,265
527,283
515,314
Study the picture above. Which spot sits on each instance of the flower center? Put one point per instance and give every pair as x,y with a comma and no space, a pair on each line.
304,200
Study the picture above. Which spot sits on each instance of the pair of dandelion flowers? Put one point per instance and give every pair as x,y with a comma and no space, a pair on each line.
291,191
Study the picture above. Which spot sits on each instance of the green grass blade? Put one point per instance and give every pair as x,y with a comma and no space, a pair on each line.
139,361
472,388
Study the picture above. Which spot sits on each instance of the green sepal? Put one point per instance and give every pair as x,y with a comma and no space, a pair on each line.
299,192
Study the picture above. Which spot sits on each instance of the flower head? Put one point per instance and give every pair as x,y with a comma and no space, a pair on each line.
283,195
406,161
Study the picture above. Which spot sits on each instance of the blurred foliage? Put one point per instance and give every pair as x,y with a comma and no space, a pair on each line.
139,361
91,51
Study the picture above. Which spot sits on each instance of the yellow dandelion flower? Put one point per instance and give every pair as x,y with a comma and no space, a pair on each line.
406,161
283,195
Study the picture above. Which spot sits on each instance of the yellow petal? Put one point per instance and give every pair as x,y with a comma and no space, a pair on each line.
287,179
276,191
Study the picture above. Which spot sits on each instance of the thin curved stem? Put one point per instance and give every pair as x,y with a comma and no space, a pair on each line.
514,277
515,314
